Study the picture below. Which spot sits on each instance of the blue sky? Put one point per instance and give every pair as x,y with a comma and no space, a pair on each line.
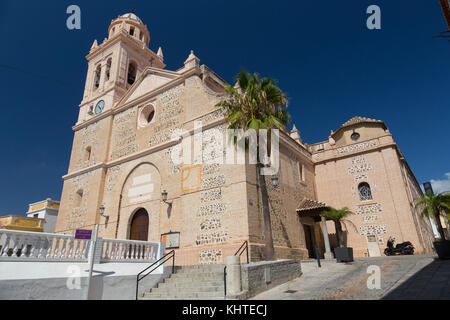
330,65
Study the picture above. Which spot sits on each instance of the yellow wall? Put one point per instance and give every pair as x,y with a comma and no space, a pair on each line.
13,222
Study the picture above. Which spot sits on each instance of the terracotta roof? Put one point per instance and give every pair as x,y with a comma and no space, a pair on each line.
359,119
355,120
309,204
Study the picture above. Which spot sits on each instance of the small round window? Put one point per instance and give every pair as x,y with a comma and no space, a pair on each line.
355,136
146,115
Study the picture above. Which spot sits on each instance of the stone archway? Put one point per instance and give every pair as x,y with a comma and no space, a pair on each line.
139,225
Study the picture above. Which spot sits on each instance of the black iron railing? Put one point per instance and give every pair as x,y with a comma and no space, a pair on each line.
158,263
239,252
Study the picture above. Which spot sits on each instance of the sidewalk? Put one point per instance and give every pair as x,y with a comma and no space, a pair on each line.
402,277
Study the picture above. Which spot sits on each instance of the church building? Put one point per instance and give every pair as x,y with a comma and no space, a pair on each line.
122,162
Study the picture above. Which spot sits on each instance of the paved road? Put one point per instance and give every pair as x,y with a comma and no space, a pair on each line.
402,277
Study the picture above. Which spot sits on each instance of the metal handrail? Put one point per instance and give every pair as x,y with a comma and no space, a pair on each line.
239,252
243,247
172,256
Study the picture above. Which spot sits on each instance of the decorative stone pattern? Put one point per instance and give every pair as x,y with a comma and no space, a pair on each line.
168,115
370,208
210,256
370,219
76,218
211,238
111,177
88,139
211,195
214,182
124,134
357,147
370,230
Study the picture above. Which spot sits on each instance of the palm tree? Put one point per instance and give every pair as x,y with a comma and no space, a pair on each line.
257,103
432,205
338,216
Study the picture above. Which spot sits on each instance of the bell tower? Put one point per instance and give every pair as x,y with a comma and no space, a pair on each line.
115,64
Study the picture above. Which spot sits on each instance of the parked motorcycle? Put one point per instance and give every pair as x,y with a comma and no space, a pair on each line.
401,248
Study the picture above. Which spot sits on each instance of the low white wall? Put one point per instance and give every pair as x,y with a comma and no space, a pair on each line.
49,280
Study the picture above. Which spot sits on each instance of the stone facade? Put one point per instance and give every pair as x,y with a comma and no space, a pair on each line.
363,151
122,158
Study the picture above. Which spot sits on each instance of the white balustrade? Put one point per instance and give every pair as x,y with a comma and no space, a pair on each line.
37,246
119,250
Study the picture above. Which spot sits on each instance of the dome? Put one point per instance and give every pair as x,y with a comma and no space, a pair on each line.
131,16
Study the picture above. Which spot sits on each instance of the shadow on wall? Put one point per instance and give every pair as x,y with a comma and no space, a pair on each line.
334,242
431,282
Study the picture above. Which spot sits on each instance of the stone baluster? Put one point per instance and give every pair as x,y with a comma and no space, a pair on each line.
122,251
85,247
49,248
71,244
115,254
145,253
108,250
6,246
76,248
134,251
42,245
34,247
57,251
16,240
63,251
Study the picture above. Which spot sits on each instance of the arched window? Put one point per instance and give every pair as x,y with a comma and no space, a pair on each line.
131,31
97,77
78,198
364,191
87,154
132,69
108,68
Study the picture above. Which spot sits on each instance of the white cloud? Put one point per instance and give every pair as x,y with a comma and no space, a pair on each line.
441,185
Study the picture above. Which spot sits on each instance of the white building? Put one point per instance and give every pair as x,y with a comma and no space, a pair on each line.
46,209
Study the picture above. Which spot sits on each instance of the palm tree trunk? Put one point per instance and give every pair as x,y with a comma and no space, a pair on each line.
269,252
437,217
338,233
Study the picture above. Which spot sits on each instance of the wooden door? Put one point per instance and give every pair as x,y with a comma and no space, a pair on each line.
309,237
139,226
138,231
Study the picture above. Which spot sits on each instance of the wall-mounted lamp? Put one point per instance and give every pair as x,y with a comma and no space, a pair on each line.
164,197
101,210
275,181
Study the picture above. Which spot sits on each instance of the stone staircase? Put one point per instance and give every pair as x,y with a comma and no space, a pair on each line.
201,282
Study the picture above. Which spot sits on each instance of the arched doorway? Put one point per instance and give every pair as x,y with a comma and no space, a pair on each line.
139,225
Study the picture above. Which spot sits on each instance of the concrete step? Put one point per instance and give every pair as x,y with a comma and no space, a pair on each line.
179,298
190,281
190,295
182,285
198,273
202,267
175,290
199,276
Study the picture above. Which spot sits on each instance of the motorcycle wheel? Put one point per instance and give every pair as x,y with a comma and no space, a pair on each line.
386,252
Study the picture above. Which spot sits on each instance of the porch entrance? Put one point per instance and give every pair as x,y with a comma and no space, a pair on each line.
310,243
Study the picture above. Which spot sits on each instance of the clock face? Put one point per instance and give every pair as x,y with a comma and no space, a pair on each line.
99,107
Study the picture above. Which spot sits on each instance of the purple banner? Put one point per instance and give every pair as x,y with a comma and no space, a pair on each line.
83,234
